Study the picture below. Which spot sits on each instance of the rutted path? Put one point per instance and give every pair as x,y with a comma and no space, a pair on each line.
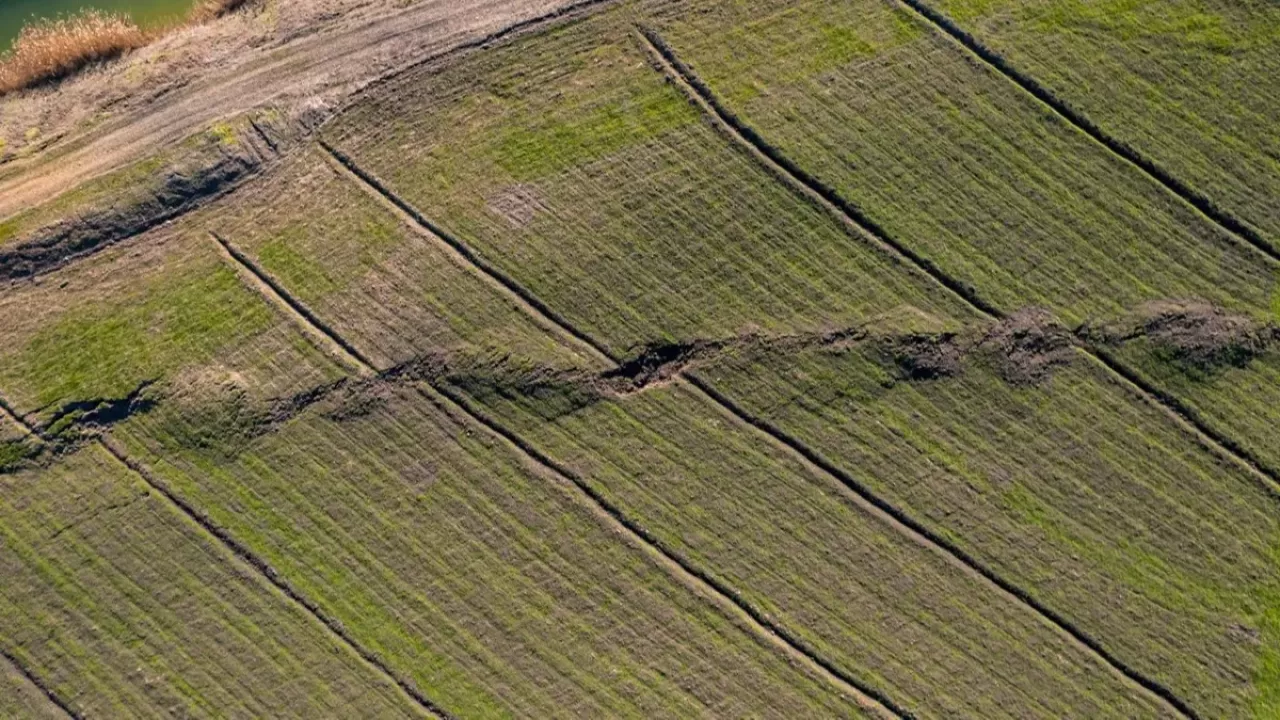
325,66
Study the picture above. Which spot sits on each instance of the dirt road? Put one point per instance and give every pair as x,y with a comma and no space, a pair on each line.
313,68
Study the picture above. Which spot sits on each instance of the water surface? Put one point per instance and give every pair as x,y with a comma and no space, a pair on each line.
148,13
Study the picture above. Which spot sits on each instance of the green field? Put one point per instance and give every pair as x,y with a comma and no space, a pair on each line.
1189,83
125,609
783,358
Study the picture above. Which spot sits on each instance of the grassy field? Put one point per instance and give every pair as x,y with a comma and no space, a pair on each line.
1231,382
477,577
959,164
1189,83
392,290
976,176
878,604
572,166
20,698
527,387
166,308
126,609
1070,487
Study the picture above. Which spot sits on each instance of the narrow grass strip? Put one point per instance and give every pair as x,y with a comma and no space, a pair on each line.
728,600
325,339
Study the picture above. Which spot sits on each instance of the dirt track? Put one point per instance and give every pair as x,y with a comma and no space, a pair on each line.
311,69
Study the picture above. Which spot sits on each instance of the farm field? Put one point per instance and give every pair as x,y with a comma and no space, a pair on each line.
22,698
139,314
388,287
862,592
1064,482
717,358
974,175
571,165
1187,83
471,574
125,608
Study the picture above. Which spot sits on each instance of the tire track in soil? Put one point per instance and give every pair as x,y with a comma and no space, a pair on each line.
1221,217
41,686
727,600
247,556
788,172
882,509
814,190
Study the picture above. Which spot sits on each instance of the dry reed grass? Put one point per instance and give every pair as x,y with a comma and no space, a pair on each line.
50,50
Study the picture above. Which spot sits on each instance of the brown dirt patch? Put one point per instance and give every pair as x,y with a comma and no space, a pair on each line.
1026,346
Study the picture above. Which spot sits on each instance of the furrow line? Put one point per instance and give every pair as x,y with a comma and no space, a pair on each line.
729,600
456,251
48,692
1186,417
909,526
244,554
6,410
324,337
527,300
1223,218
787,172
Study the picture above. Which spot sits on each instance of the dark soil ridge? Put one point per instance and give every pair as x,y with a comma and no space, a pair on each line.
1022,350
1194,336
73,425
192,181
1222,217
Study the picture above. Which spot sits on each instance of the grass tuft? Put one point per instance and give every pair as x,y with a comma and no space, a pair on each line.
50,50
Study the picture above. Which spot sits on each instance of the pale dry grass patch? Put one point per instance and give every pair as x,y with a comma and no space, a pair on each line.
49,50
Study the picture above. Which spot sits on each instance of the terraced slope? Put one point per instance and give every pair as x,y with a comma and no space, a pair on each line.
1188,84
124,608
